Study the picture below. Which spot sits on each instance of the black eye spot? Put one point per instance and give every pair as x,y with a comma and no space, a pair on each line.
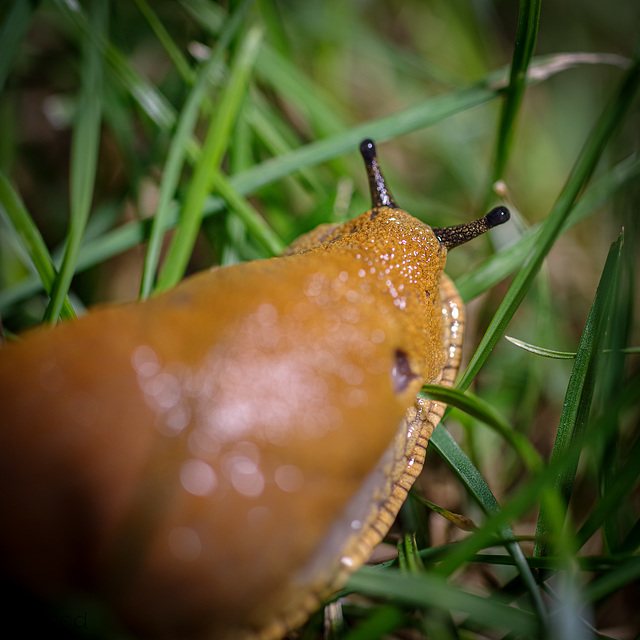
401,374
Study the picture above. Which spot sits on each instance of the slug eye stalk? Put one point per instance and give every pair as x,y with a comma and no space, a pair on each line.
380,195
459,234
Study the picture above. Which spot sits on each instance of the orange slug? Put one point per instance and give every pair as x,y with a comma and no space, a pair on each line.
215,461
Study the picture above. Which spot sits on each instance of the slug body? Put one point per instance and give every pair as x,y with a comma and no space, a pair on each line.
214,461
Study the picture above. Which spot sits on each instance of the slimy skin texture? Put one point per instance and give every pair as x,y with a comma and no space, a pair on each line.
215,461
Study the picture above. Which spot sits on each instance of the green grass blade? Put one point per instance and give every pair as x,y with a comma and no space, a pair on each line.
526,35
84,157
408,554
577,403
481,410
19,219
519,503
559,355
275,133
150,101
541,351
179,145
283,76
591,564
612,117
601,587
253,221
209,162
614,382
379,624
462,466
288,80
475,484
428,590
497,520
626,480
632,541
173,51
208,14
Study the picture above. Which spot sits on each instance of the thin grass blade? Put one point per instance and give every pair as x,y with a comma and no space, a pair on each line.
526,36
380,624
614,379
577,403
626,480
18,218
475,484
179,146
610,582
254,223
542,351
429,590
209,162
150,101
173,51
84,156
481,410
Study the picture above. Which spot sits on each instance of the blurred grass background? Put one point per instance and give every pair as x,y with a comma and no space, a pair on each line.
250,113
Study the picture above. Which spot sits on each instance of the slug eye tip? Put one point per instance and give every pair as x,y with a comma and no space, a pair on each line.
459,234
368,149
497,216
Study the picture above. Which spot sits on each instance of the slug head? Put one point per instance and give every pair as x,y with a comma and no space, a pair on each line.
401,257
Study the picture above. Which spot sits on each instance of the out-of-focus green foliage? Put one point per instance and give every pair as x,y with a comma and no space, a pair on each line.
239,123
